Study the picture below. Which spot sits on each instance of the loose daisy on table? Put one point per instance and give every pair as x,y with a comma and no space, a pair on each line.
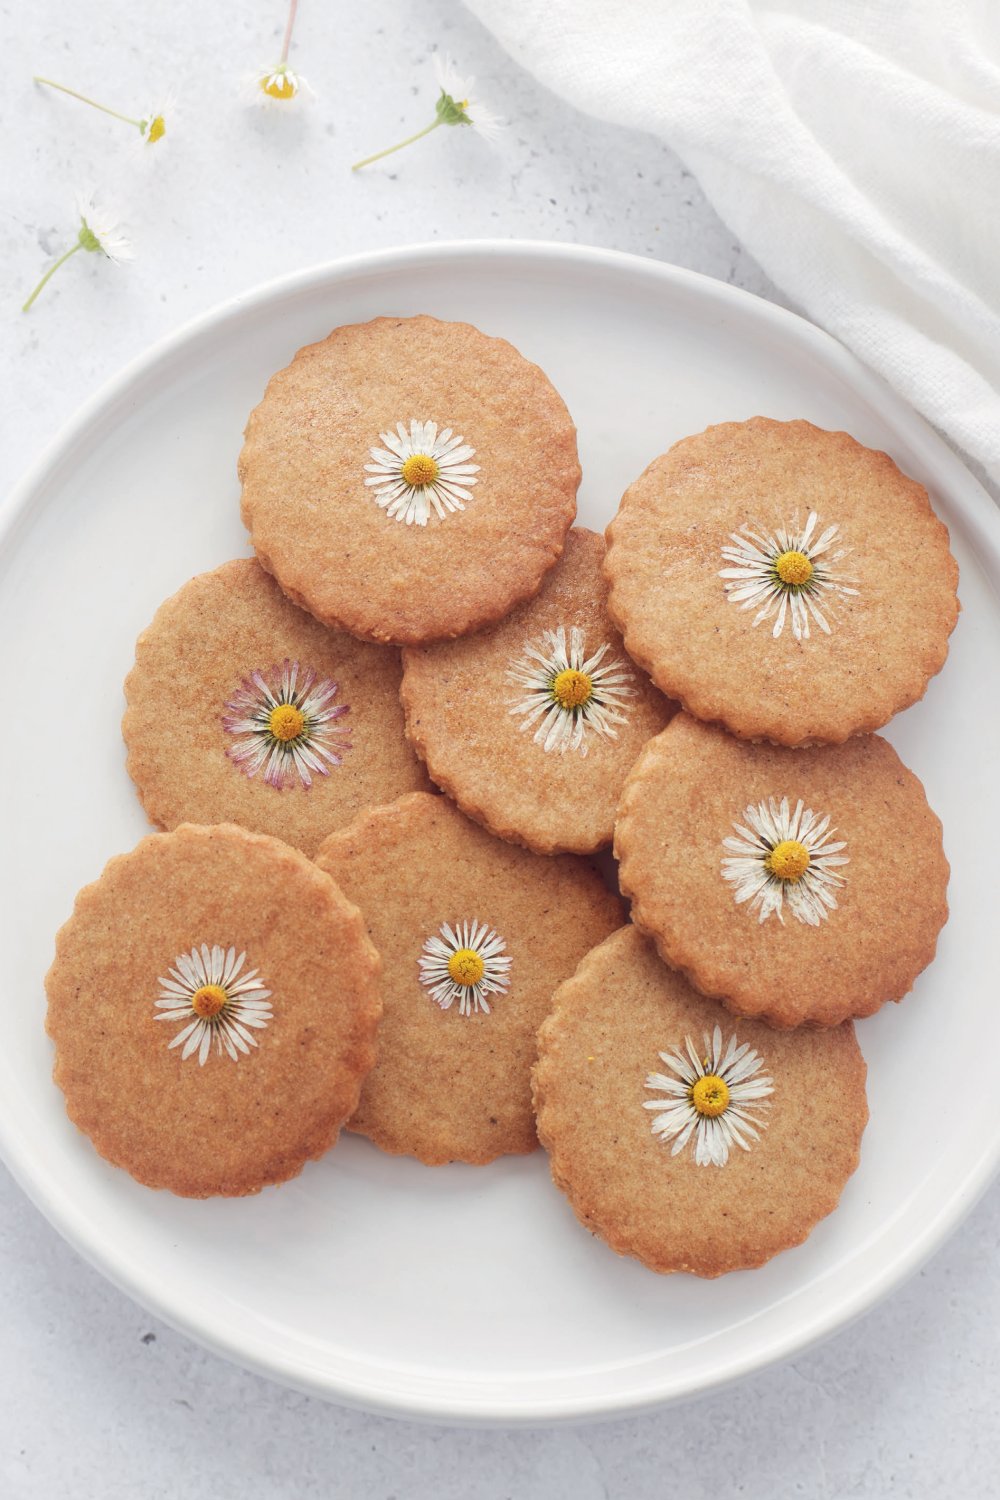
783,855
466,963
222,1004
285,723
573,695
99,232
456,105
421,470
713,1098
151,124
788,574
281,85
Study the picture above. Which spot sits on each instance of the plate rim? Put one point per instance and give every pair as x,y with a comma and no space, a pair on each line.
981,520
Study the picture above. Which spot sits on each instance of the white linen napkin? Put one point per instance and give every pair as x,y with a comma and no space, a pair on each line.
853,146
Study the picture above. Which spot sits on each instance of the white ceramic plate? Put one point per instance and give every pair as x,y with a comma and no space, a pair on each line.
467,1293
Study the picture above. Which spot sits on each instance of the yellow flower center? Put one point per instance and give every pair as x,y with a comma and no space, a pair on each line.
279,86
789,860
157,130
572,689
208,1001
466,967
710,1095
793,568
286,722
420,469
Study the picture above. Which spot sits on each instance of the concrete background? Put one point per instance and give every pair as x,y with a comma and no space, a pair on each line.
97,1399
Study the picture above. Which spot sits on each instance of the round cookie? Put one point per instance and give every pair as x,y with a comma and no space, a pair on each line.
691,1140
796,885
219,730
474,936
214,1006
409,480
533,724
782,580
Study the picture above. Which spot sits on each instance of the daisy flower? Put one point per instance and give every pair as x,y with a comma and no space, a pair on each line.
280,85
787,573
151,125
284,722
208,989
456,105
98,232
782,856
571,694
465,963
420,469
713,1098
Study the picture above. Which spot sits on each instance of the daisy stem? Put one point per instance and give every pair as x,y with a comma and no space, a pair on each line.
93,102
367,160
289,27
52,271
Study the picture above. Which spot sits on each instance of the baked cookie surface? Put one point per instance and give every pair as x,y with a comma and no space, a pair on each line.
409,479
474,935
795,885
782,580
214,1005
242,708
682,1136
533,724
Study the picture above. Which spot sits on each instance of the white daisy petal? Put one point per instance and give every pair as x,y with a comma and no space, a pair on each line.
481,966
238,999
421,472
705,1103
807,883
283,721
783,573
571,707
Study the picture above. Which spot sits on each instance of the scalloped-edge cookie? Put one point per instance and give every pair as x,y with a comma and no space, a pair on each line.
474,935
782,580
214,1006
241,708
408,479
794,885
682,1136
533,724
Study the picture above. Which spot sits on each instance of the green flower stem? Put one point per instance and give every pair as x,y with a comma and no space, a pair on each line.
52,271
93,102
367,161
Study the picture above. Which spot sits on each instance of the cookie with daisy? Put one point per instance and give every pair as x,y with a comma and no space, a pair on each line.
242,708
782,580
802,886
690,1139
474,936
409,479
533,724
214,1006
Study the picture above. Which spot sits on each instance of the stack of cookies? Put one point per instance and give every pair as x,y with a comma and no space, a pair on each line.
319,938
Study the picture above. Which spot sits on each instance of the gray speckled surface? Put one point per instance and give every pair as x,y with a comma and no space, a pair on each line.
95,1398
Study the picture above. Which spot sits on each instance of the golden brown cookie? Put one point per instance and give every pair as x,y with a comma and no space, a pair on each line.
691,1140
533,724
409,480
474,936
214,1005
783,581
242,708
796,885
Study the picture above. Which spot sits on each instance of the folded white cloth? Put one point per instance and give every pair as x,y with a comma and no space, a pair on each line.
853,146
